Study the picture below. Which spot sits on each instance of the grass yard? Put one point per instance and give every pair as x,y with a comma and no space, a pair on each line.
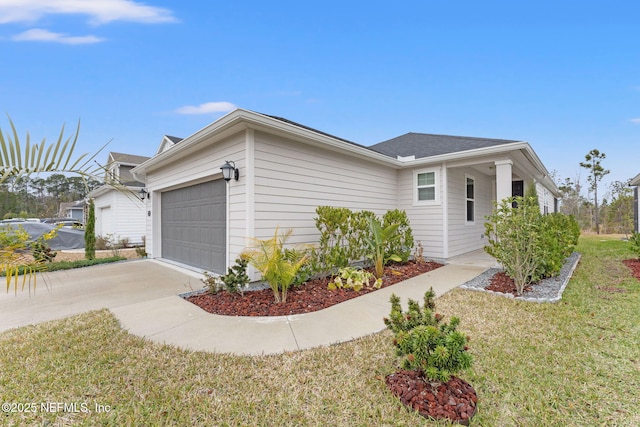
574,363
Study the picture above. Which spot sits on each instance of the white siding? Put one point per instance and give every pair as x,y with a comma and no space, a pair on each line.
545,198
199,167
292,179
464,236
426,220
121,215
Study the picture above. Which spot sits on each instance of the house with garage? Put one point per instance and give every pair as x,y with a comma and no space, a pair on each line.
635,183
119,210
282,170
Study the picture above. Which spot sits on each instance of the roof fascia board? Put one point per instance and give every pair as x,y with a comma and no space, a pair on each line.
635,180
462,155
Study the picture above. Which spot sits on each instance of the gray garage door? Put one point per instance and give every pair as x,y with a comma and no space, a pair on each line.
194,225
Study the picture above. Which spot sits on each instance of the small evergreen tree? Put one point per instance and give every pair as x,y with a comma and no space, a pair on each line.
90,233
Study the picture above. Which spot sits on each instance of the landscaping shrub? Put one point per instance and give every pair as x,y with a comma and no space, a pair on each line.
403,245
342,238
354,278
424,342
514,239
235,281
530,246
378,242
269,257
559,237
90,233
345,237
634,240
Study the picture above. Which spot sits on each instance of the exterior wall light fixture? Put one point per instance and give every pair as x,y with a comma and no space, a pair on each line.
229,170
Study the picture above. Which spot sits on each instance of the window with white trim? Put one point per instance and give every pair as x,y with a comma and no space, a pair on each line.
470,197
426,187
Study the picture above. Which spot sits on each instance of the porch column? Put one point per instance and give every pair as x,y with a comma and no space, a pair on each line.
503,179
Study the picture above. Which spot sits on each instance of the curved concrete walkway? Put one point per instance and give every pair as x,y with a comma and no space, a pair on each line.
143,296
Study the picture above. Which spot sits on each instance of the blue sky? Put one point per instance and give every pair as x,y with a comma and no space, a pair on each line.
563,76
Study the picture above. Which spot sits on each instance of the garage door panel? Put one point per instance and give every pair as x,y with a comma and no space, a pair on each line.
194,225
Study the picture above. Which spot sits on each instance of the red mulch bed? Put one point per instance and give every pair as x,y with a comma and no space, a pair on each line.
500,282
455,399
634,265
308,297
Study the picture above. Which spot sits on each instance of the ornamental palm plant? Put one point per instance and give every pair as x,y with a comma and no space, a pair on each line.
378,243
270,258
17,161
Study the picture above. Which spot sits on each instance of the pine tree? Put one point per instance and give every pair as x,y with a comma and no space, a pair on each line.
596,170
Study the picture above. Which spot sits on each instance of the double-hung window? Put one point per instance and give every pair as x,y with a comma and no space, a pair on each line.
426,184
470,198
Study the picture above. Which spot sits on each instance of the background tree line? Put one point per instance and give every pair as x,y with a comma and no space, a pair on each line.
615,211
36,197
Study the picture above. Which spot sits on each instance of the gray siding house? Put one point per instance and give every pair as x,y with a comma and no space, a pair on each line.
446,184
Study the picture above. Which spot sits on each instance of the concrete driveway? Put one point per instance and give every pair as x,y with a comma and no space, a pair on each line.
143,296
60,294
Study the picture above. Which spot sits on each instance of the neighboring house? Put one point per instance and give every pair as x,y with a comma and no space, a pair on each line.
73,210
446,184
119,212
635,182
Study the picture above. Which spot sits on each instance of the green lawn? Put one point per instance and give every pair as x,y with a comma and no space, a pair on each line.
574,363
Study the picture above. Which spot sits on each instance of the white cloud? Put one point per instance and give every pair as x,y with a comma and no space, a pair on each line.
41,35
206,108
637,120
99,11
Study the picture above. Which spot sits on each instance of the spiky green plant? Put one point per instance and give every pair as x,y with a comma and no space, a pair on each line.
378,242
17,160
425,343
269,258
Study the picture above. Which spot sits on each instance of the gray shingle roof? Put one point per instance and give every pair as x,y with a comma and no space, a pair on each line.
291,122
173,139
426,145
127,158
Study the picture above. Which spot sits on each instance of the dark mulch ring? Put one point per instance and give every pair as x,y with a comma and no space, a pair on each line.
500,282
634,265
308,297
455,399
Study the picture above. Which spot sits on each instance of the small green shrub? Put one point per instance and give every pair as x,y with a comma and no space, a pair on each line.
634,241
306,271
354,278
235,281
559,236
403,245
424,342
